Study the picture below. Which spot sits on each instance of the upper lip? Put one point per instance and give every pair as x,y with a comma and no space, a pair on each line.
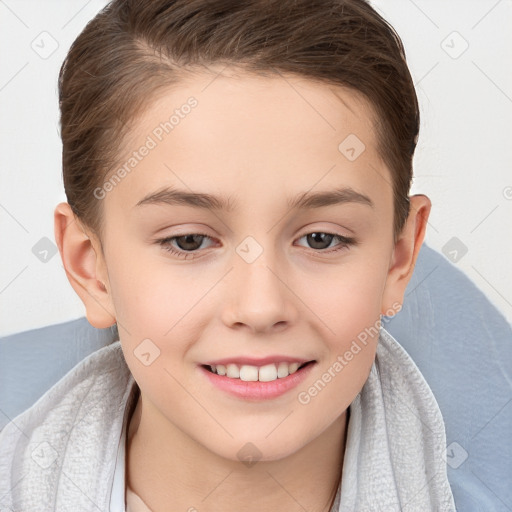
254,361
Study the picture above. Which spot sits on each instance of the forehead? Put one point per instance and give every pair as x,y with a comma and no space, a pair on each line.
244,136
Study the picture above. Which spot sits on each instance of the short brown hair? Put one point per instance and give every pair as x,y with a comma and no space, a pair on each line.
134,48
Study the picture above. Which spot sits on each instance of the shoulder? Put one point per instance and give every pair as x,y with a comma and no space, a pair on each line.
72,423
396,442
402,381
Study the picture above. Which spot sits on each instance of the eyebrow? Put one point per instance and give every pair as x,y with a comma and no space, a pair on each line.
305,200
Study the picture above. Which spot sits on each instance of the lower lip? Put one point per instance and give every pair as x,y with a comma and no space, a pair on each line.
257,390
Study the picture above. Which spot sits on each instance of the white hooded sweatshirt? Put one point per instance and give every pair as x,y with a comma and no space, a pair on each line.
66,452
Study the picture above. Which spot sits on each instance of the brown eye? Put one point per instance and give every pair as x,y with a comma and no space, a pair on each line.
186,245
189,242
321,241
318,240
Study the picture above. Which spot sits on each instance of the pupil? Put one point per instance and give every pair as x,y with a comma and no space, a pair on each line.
316,238
189,239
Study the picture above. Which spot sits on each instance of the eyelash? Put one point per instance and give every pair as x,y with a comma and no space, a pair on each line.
165,243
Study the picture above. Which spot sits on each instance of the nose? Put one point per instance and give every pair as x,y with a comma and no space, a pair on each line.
260,298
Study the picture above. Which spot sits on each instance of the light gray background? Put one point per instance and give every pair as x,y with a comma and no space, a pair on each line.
463,160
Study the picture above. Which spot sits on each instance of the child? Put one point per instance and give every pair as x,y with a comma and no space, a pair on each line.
251,371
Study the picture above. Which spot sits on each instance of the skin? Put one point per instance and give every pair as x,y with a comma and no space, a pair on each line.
259,140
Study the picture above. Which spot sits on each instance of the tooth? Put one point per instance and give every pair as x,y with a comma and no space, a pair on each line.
233,371
282,370
248,373
293,367
268,373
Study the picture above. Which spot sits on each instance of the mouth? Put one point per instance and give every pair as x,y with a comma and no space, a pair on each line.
254,383
250,373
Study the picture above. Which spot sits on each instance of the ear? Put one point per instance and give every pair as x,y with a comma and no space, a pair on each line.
82,257
406,252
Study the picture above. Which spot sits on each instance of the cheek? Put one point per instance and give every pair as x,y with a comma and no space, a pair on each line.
151,303
349,304
343,372
347,297
159,302
149,296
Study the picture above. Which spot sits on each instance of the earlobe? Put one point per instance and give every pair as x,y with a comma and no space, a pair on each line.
406,251
84,265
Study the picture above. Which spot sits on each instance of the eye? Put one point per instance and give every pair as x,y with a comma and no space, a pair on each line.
321,240
190,243
186,244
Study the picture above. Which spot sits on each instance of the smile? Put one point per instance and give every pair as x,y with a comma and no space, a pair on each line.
248,382
250,373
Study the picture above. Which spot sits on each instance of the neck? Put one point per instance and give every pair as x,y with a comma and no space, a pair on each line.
187,476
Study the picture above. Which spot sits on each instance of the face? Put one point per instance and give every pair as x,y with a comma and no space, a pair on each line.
264,276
